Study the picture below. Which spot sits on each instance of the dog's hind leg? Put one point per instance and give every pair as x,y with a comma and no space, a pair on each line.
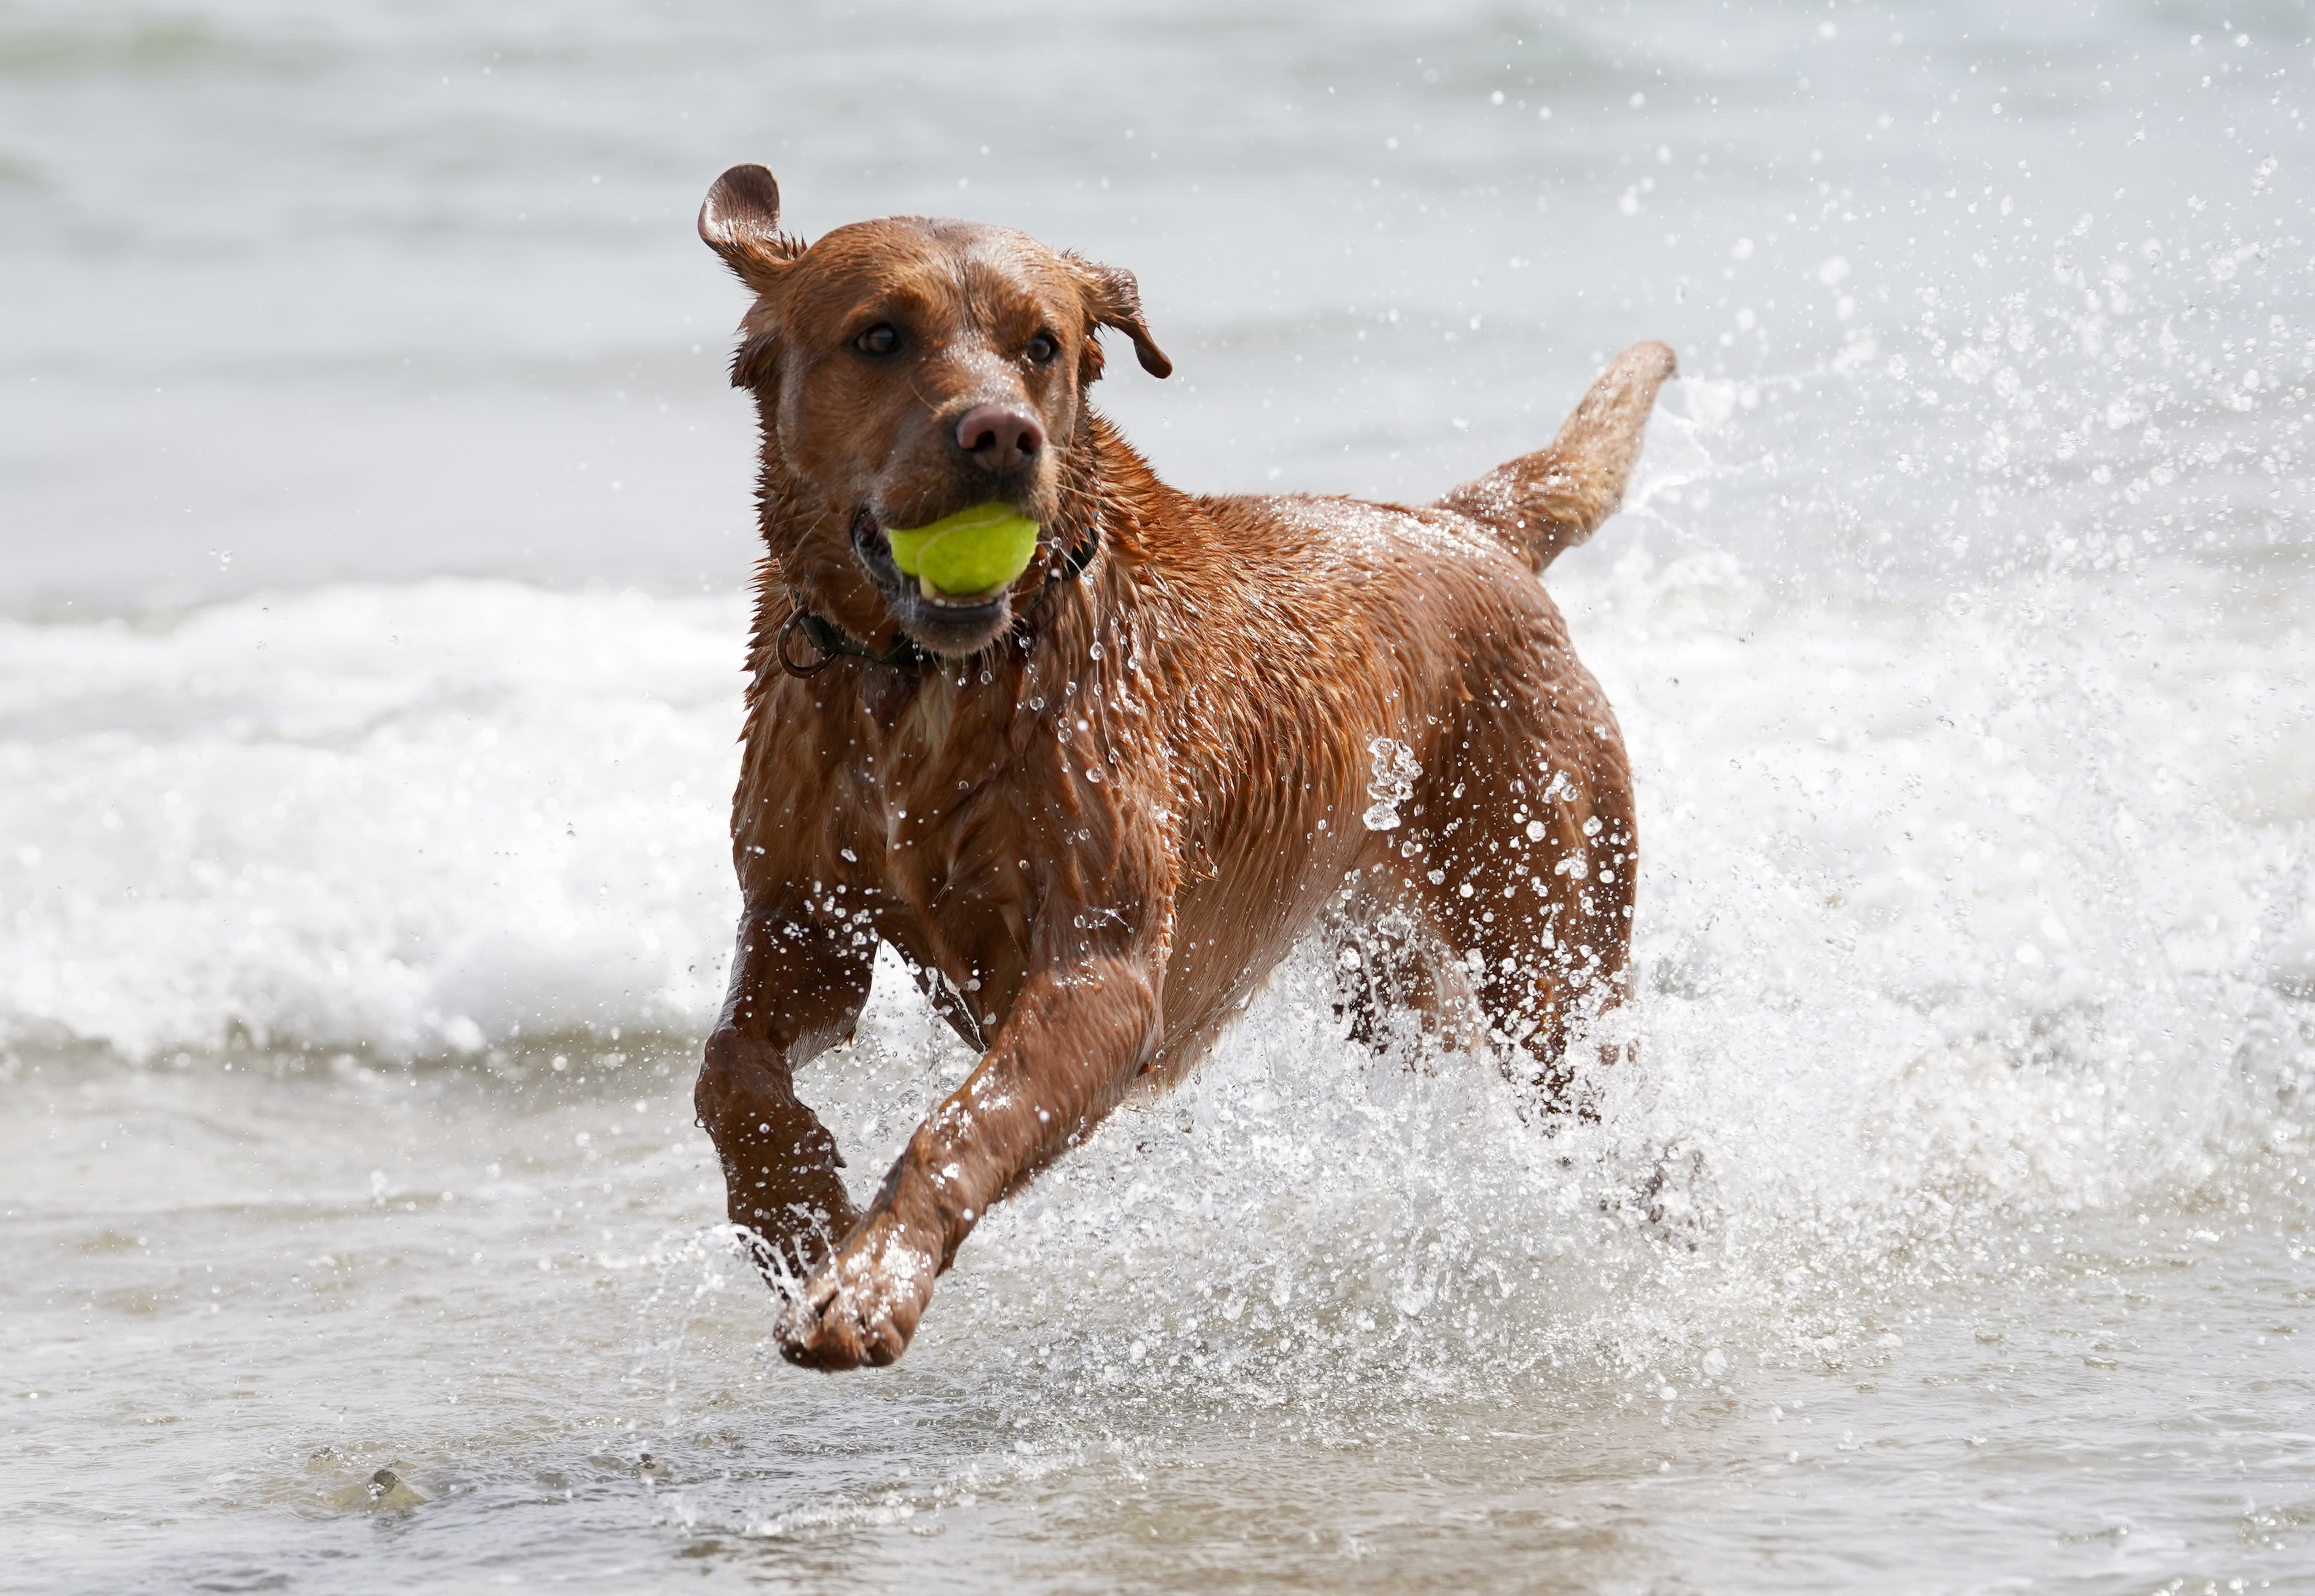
1397,981
1538,962
1526,872
797,987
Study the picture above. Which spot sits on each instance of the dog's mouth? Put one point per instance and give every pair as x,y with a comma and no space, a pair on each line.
945,622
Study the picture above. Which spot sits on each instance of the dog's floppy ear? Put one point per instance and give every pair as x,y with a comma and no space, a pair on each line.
739,220
1114,299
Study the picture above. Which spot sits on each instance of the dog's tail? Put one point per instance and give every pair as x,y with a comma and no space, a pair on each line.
1546,502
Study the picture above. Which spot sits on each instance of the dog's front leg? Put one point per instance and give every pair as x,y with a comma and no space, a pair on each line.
797,987
1066,1055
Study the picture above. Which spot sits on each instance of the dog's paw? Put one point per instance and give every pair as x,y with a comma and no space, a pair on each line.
861,1307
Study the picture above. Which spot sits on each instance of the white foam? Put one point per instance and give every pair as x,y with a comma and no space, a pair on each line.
409,819
1947,910
1956,918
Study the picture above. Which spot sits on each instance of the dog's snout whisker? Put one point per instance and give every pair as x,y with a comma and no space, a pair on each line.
999,437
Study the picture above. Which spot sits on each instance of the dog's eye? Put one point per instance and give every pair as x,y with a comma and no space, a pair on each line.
881,339
1043,348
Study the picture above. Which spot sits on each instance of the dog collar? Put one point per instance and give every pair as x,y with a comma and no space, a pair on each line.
831,640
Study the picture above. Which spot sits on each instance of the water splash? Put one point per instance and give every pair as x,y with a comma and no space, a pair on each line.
1395,773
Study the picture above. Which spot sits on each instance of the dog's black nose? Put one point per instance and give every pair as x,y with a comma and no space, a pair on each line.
998,438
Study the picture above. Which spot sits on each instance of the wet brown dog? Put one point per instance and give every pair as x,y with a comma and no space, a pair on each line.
1093,809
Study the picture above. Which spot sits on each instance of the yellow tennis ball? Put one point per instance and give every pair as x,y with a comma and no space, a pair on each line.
970,552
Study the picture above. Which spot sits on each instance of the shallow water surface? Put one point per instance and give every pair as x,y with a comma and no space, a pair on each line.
376,528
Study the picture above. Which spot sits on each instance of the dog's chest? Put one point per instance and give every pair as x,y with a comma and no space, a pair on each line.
931,845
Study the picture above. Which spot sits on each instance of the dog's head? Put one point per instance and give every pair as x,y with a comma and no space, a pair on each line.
906,369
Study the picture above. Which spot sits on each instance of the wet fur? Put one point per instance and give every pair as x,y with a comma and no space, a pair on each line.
1093,830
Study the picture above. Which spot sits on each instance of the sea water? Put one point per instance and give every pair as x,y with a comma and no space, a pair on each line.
376,529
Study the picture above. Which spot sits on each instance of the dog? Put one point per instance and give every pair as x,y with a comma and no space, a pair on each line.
1092,809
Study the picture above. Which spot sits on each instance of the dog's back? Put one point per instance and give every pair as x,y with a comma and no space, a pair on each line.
1373,704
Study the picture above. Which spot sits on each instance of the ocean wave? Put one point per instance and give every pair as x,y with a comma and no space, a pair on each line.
2000,899
405,819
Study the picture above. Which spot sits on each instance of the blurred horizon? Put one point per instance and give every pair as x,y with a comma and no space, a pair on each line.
294,295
